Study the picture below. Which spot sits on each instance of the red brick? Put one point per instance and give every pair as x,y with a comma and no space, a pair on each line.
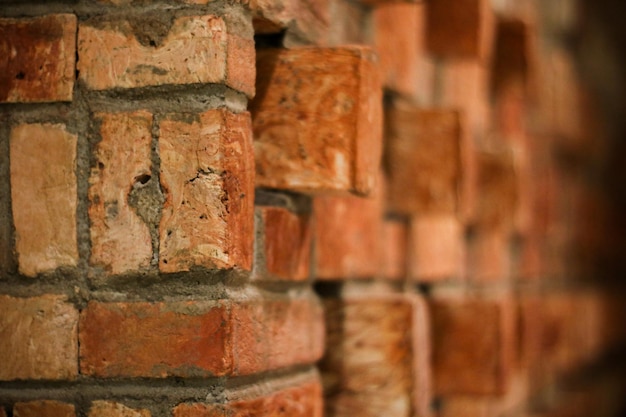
45,408
423,160
473,346
196,49
460,28
512,54
303,400
38,338
286,243
489,256
113,409
394,249
43,191
198,338
208,180
336,120
436,248
347,237
40,55
368,364
120,238
498,190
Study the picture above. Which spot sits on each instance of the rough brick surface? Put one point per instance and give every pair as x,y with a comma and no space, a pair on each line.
286,243
45,408
120,238
473,346
317,119
423,160
207,176
43,191
38,338
196,49
308,19
38,58
304,400
113,409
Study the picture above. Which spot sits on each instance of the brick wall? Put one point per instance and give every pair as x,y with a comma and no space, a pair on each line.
303,208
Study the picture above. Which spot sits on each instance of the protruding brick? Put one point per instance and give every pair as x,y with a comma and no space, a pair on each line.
196,49
460,28
113,409
43,191
120,237
394,249
317,119
286,243
207,177
304,400
423,160
308,19
473,346
45,408
436,248
39,55
38,338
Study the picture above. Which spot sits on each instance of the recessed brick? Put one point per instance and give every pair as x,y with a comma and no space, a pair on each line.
317,119
303,400
286,243
45,408
120,238
38,338
43,191
207,176
40,55
196,49
113,409
423,160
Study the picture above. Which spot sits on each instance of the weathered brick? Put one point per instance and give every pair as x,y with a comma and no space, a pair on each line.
43,191
202,338
207,176
286,243
460,28
394,249
473,345
308,19
423,160
38,338
196,49
39,57
303,400
317,119
113,409
45,408
120,238
436,248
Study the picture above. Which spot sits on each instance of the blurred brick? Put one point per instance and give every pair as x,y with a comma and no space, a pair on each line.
498,190
120,238
422,356
319,136
489,256
286,243
207,176
113,409
436,248
44,408
465,407
39,56
195,49
511,56
43,191
309,19
394,249
38,338
423,160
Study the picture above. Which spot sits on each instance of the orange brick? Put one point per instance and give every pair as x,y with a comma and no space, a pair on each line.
40,55
489,256
511,56
196,49
307,19
473,346
120,238
317,136
44,205
436,248
460,28
465,407
422,356
113,409
38,338
423,160
394,249
286,243
303,400
497,188
208,180
45,408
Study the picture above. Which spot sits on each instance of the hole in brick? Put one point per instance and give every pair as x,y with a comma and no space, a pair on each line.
20,75
203,216
100,165
142,179
152,43
269,40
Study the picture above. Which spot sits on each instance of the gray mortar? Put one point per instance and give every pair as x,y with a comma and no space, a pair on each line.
7,239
